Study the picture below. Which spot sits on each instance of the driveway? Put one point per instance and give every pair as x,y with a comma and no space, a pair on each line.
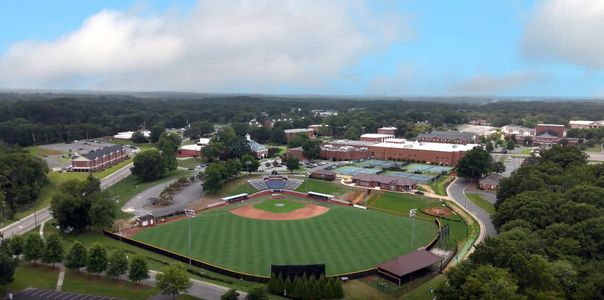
456,191
138,206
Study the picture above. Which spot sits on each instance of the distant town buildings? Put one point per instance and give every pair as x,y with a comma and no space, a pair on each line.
548,134
580,124
99,159
479,122
127,135
387,130
376,137
290,134
448,137
434,153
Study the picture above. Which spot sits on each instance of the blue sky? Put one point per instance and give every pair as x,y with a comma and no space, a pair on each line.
393,48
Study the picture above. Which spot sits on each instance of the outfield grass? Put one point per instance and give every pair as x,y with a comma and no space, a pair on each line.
439,186
322,186
482,203
346,239
128,187
271,205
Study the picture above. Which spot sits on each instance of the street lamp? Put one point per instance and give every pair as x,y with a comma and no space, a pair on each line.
190,214
247,164
412,213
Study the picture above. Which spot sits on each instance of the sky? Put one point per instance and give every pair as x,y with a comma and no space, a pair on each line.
511,48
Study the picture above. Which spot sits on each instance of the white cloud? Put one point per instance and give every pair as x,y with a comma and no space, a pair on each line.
487,85
395,84
239,45
566,30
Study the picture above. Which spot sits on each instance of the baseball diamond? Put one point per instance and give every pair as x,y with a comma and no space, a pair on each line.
346,239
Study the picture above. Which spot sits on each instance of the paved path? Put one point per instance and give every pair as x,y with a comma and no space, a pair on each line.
456,191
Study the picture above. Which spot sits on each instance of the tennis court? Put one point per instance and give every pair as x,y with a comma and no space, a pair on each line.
351,171
417,177
378,163
428,169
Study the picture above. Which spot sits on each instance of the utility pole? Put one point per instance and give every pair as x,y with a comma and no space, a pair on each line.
412,213
190,214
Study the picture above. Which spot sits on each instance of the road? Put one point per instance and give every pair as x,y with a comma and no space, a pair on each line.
456,191
32,221
200,289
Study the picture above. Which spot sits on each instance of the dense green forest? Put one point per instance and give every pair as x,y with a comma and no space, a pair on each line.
551,235
43,119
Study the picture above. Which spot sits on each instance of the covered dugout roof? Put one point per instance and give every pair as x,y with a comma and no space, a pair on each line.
409,263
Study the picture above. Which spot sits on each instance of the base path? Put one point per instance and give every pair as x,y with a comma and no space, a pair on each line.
308,211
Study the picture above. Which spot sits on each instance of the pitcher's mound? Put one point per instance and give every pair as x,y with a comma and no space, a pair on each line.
308,211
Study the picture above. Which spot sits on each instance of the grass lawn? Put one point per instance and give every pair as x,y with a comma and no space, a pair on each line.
526,151
188,162
38,276
482,203
399,202
595,148
233,187
322,186
41,151
128,187
112,169
439,186
84,283
347,237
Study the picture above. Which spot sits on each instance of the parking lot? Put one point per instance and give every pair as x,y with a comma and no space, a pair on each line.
57,156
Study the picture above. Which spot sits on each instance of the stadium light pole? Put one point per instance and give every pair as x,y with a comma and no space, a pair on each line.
412,213
190,214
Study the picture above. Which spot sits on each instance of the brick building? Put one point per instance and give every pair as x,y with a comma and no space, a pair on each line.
580,124
387,130
547,134
434,153
99,159
384,182
290,134
448,137
376,137
490,182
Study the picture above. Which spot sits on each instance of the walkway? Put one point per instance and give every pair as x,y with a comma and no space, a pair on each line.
456,191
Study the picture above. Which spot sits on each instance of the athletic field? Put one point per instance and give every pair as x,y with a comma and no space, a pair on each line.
346,239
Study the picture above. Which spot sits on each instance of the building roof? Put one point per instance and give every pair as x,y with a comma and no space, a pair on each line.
349,143
127,135
388,128
583,122
551,125
492,179
98,153
548,134
203,141
456,135
146,217
256,147
384,179
297,130
194,147
410,262
425,146
376,135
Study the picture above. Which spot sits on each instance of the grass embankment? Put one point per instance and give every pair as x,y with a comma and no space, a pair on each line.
482,203
189,162
322,186
440,185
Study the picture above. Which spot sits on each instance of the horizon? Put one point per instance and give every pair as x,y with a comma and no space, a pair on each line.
515,49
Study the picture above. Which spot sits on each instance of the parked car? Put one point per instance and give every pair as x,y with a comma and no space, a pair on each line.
419,192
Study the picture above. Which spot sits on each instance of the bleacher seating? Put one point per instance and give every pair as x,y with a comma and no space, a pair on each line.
275,184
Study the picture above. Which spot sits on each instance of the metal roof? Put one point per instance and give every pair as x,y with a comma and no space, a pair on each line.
410,263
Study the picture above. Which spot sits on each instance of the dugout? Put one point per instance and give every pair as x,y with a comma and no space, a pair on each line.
235,198
406,267
319,196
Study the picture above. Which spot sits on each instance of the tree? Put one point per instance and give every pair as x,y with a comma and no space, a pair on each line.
156,132
33,249
53,253
77,257
256,293
7,268
489,147
312,149
233,167
488,282
476,163
22,176
168,145
102,212
214,177
173,279
298,140
292,163
138,137
118,264
138,269
230,295
15,245
510,144
97,259
252,166
148,165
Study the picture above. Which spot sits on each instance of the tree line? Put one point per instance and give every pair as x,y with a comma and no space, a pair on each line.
550,224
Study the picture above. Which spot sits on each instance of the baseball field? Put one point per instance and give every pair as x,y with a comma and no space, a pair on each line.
346,239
